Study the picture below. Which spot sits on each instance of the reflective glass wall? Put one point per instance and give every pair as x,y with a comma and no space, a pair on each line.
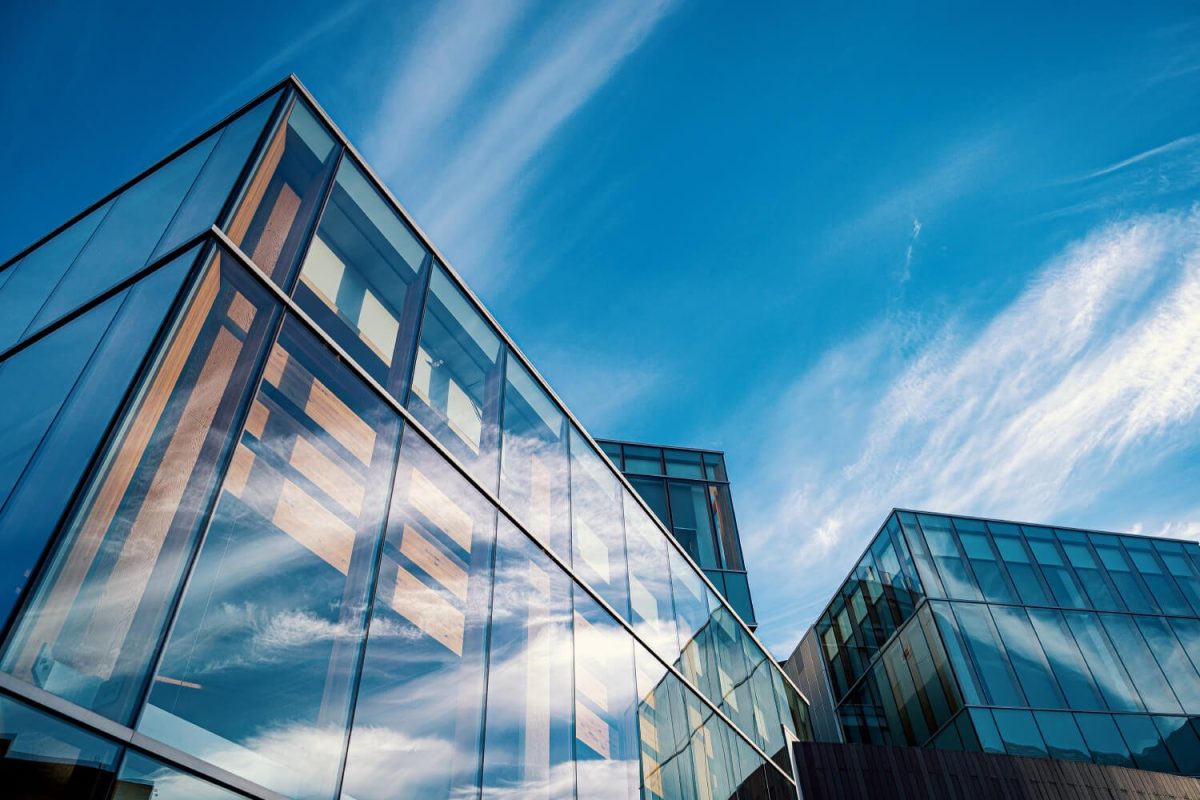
331,535
688,490
1022,639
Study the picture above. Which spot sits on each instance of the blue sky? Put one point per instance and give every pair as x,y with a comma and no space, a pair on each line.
938,255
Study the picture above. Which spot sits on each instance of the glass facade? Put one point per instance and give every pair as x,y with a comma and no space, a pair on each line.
283,512
688,490
1028,640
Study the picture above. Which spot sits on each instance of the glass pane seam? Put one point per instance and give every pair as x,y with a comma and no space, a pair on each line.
430,439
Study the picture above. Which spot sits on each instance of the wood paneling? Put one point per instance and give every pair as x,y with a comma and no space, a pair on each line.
314,526
258,187
333,478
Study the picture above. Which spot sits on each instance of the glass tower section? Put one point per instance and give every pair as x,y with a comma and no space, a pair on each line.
688,490
285,513
972,634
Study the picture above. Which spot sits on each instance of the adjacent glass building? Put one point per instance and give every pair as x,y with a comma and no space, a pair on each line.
284,512
974,634
688,490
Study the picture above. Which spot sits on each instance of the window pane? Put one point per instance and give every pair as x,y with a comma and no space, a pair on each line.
683,464
1060,578
613,451
714,467
1174,661
359,279
1020,733
707,740
643,460
1062,736
652,612
132,228
528,749
281,579
1182,742
1066,662
957,651
727,533
1103,739
737,592
419,713
533,462
943,546
1027,658
606,736
29,282
143,777
278,205
667,771
1093,578
43,757
1026,577
1139,662
1128,583
597,533
985,729
692,523
99,610
1105,664
654,492
1162,586
61,395
989,655
1175,559
922,561
456,378
1145,746
993,582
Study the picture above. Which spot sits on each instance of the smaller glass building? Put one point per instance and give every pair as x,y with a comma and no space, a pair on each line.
973,634
688,489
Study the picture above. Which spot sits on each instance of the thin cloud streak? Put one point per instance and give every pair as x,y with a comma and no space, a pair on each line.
1095,366
1176,144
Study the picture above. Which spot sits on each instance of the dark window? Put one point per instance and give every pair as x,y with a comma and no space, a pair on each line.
643,460
692,522
683,464
42,757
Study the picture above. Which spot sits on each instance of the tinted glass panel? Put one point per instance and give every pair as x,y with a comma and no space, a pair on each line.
533,463
42,757
1087,567
1139,662
1103,739
281,579
1145,746
613,451
654,492
692,522
1019,733
1166,592
61,395
1025,576
1028,660
359,279
644,460
528,743
992,577
1066,661
714,467
662,725
1062,582
598,536
456,378
1173,660
683,464
1182,742
737,592
100,607
142,777
279,203
727,534
652,611
1128,583
943,547
1062,736
419,714
986,731
989,655
1111,678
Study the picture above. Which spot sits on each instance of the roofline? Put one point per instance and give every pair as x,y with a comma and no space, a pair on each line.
664,446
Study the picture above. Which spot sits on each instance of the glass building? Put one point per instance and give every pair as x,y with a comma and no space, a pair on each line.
285,513
688,490
972,634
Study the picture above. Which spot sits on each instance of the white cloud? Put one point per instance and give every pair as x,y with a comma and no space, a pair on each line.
1088,379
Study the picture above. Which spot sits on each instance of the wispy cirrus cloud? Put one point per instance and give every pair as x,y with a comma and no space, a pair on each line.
470,109
1085,381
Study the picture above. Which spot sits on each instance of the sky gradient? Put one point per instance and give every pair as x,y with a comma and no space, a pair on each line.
931,256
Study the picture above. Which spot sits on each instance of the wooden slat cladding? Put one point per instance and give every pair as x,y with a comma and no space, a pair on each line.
859,772
258,187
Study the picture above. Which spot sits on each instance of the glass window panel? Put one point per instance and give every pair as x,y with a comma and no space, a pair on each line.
1145,746
692,522
1103,739
1173,660
737,592
1061,580
426,638
1087,568
766,693
279,203
732,671
643,460
957,652
717,578
1066,662
922,561
707,740
1140,662
61,395
1102,658
943,547
915,725
652,611
1162,586
597,531
683,463
528,742
988,652
1028,660
1182,742
456,378
654,492
606,735
534,482
1062,737
667,772
1019,733
693,602
257,673
208,195
749,769
360,278
613,451
123,242
723,521
98,612
985,730
714,467
1188,633
966,732
948,739
993,582
1025,576
939,663
43,757
1127,582
929,686
1175,559
29,282
143,778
